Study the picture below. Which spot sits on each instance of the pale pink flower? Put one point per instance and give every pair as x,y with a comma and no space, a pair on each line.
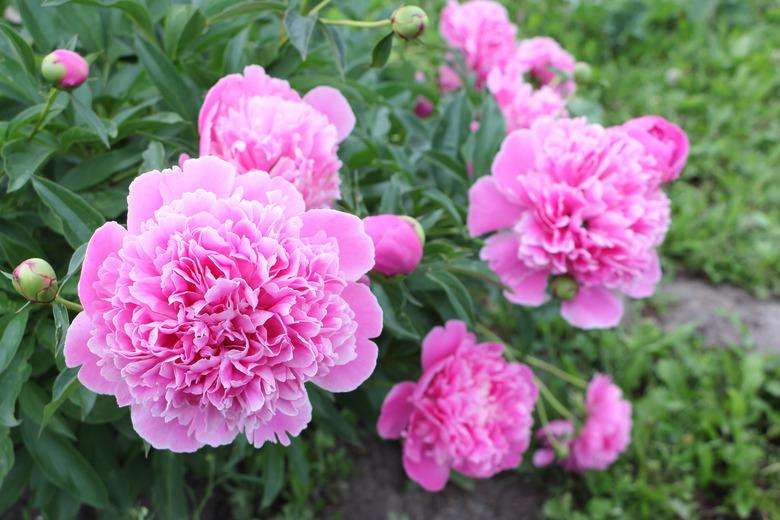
543,58
220,300
481,31
469,411
448,79
573,199
398,246
257,122
665,143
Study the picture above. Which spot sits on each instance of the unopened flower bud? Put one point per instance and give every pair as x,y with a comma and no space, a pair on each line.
35,280
398,243
423,107
409,22
564,287
583,73
65,68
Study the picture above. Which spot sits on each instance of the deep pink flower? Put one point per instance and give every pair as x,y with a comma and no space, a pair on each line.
574,199
481,31
218,302
541,56
398,246
448,79
469,411
65,68
665,142
257,122
556,433
423,107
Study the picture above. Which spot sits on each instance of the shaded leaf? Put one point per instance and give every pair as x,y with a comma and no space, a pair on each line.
22,159
79,219
381,52
299,28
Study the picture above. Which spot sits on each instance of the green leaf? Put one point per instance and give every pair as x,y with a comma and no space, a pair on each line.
154,157
12,381
233,9
183,24
22,159
76,259
16,481
6,453
299,28
66,383
488,138
273,473
169,495
20,47
457,294
381,52
336,42
453,126
63,465
178,93
79,219
12,328
93,121
326,413
97,169
134,9
61,324
298,468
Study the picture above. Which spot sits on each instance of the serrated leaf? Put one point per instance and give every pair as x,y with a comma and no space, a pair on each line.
79,219
381,52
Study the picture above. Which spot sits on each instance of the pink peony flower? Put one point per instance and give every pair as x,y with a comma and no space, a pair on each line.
449,81
218,302
65,68
481,30
572,200
665,142
555,434
423,107
543,57
469,411
257,122
398,242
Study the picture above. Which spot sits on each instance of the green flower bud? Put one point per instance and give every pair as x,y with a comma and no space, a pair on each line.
409,22
35,280
564,287
52,70
417,228
583,73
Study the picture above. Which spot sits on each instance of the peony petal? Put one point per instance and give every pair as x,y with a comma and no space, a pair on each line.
593,308
163,435
396,410
526,286
106,240
77,353
367,311
489,209
645,287
281,427
442,342
335,106
143,199
347,377
431,476
260,186
205,173
516,157
543,457
356,250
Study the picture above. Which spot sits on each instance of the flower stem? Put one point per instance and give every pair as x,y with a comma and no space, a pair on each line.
554,402
49,101
557,372
357,23
73,306
318,7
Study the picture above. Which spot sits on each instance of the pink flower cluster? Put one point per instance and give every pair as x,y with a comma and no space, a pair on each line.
220,300
579,203
469,411
257,122
605,434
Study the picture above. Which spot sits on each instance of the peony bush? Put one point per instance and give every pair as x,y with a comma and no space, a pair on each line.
241,235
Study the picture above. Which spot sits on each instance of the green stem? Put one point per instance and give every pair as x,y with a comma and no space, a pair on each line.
49,101
73,306
357,23
554,402
557,372
319,7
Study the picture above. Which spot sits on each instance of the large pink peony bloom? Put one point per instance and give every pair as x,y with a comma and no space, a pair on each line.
573,199
545,59
470,410
218,302
481,30
664,142
257,122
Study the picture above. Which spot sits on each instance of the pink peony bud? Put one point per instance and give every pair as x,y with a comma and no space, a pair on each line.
664,141
65,68
35,280
409,22
398,243
424,107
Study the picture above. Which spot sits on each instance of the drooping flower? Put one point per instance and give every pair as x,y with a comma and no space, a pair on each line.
398,243
65,68
665,142
572,199
218,302
482,32
605,434
257,122
545,60
469,411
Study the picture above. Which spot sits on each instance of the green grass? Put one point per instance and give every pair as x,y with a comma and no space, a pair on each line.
713,67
